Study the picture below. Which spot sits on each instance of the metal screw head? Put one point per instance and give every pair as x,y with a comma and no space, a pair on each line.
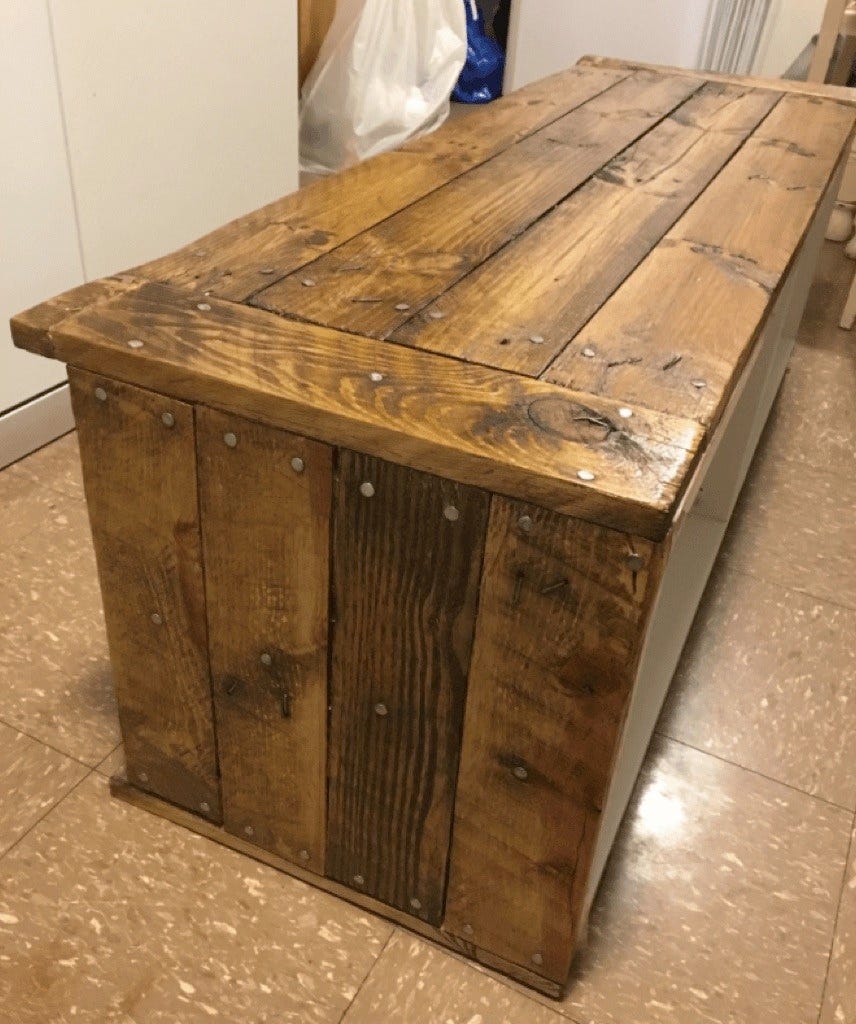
142,777
525,523
451,513
267,270
415,903
381,710
367,489
297,464
359,880
588,352
230,439
376,377
436,314
249,830
101,394
266,660
203,307
635,561
135,343
156,618
167,419
402,306
585,474
308,282
537,959
304,855
699,384
519,772
467,929
536,339
625,413
205,807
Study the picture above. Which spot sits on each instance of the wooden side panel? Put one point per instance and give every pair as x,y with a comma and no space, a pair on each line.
562,611
266,527
407,556
139,470
314,18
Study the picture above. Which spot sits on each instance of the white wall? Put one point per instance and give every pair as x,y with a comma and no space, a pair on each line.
128,128
789,27
549,35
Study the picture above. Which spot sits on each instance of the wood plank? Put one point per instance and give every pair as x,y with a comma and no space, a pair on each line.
240,258
561,617
265,530
714,274
139,472
484,427
836,93
407,551
123,790
373,284
547,283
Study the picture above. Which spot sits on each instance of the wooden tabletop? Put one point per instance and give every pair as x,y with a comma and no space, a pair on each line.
552,296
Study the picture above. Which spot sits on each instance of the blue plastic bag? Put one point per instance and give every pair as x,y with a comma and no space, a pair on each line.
481,78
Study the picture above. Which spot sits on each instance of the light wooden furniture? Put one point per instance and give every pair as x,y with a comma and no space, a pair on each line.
404,489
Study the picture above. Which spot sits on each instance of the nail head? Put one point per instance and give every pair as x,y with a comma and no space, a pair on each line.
359,880
230,439
267,270
381,710
585,474
204,307
415,903
205,807
297,464
625,413
142,777
436,314
101,394
635,561
525,523
167,419
402,306
308,282
266,660
537,959
249,830
135,343
376,377
699,384
367,489
589,353
451,513
156,618
520,772
304,855
536,339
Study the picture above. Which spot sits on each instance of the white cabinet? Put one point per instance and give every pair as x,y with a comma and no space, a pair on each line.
128,129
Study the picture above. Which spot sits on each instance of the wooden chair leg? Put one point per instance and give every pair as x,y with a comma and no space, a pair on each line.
829,28
849,313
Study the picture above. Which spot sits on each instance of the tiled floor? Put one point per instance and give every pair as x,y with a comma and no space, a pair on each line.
729,897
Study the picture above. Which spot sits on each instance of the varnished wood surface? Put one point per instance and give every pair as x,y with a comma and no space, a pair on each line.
506,433
561,616
620,231
140,478
265,529
407,552
121,788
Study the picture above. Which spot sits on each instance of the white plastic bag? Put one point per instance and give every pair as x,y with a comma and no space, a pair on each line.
384,73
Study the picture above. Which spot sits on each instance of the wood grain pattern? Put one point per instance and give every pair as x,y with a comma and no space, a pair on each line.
561,616
509,434
406,565
715,274
374,283
515,312
140,480
240,258
314,18
124,790
265,530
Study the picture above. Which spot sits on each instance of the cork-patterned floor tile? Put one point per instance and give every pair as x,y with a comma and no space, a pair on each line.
768,680
794,526
107,910
416,982
32,779
113,763
26,505
54,669
56,466
718,903
839,1003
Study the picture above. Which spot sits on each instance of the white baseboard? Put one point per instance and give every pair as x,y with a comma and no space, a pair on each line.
36,423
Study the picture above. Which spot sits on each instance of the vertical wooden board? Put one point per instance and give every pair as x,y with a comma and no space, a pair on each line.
139,471
407,550
561,616
265,529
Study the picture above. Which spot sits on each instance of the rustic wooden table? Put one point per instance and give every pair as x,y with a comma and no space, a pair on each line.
404,489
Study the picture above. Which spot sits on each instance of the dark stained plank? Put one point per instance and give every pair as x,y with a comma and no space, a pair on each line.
139,471
372,284
520,308
407,551
485,427
265,530
240,258
677,332
562,610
